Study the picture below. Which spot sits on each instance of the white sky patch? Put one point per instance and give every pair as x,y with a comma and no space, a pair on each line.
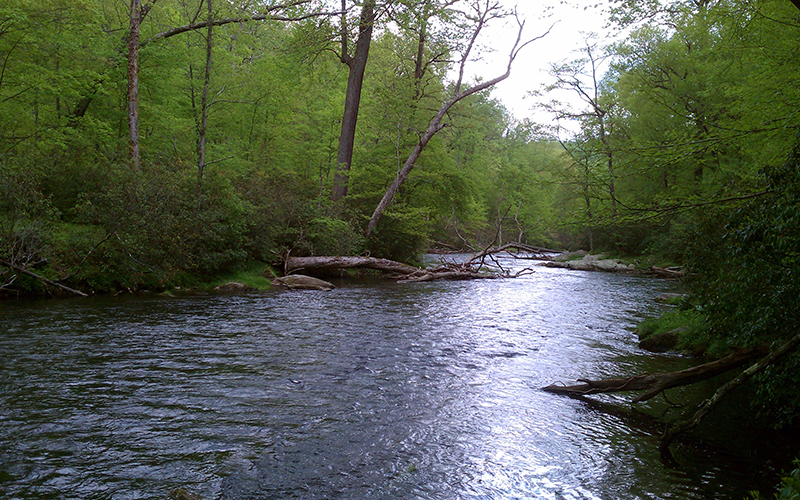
571,23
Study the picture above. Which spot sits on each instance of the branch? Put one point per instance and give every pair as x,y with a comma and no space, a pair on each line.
266,16
655,383
680,427
42,278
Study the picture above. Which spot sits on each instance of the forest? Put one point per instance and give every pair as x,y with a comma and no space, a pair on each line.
162,143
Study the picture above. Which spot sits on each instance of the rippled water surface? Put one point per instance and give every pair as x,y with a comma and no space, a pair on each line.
373,390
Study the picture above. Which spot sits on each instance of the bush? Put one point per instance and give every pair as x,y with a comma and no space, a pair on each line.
746,268
790,489
161,231
26,219
401,235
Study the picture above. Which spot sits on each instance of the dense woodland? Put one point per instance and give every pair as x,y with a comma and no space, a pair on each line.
157,144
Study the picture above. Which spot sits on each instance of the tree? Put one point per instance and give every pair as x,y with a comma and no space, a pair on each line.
583,78
480,14
357,63
138,12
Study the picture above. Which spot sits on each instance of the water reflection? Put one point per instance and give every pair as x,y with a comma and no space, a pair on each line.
422,391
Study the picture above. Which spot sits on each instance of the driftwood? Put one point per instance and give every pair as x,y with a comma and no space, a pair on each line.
41,278
656,383
668,272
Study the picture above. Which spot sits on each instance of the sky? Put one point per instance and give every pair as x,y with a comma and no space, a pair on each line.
570,22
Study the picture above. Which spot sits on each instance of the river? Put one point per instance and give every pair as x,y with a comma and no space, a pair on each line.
374,390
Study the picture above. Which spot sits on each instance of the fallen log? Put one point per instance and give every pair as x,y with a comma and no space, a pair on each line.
667,272
474,268
343,262
656,383
447,275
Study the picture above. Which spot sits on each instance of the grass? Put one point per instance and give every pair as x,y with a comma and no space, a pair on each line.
252,276
692,334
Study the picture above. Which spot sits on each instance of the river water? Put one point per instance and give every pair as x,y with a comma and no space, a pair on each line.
371,391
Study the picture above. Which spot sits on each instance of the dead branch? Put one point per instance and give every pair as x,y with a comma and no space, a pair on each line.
656,383
678,428
522,247
41,278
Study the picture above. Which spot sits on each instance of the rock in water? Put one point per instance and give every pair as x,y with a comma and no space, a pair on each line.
302,282
663,342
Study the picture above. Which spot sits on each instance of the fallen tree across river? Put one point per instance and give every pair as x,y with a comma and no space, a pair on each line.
481,265
657,383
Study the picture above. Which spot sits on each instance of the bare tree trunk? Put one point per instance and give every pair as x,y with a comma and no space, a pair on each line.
137,14
133,83
422,39
357,64
342,262
656,383
203,125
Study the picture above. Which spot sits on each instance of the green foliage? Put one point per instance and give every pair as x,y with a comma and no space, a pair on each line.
402,234
26,220
331,236
688,318
790,488
255,276
746,265
158,229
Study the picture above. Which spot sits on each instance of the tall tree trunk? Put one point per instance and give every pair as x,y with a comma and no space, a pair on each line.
203,124
357,64
137,14
133,83
609,153
419,66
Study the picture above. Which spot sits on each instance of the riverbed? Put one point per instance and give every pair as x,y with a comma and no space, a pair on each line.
374,390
